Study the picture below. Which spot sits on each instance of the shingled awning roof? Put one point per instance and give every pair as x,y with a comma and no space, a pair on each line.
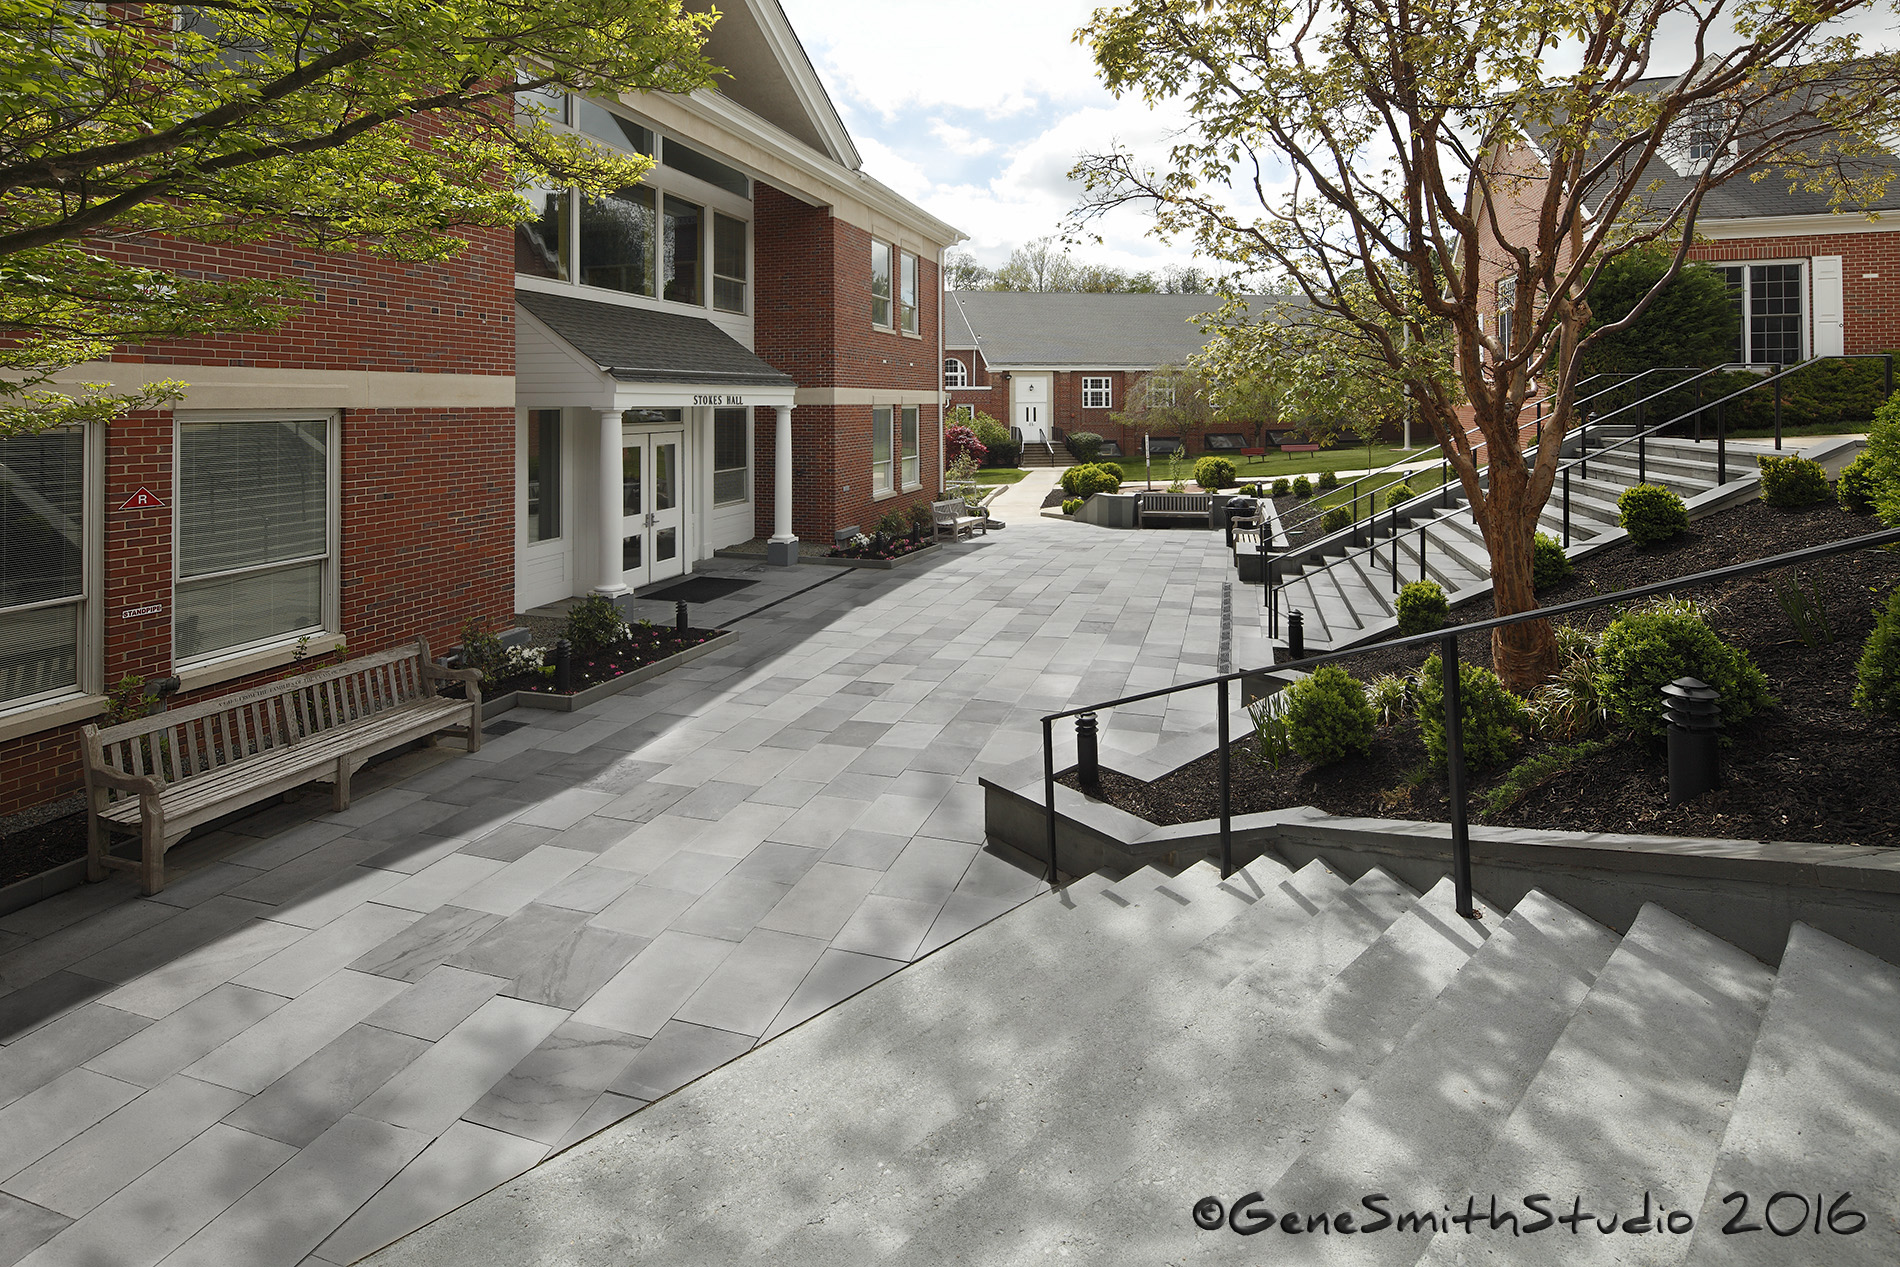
639,345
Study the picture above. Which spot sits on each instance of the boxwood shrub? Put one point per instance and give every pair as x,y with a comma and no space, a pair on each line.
1651,513
1336,519
1282,486
1395,494
1328,716
1302,488
1791,481
1878,690
1422,608
1550,566
1083,446
1328,481
1214,473
1855,489
1089,479
1644,651
1490,717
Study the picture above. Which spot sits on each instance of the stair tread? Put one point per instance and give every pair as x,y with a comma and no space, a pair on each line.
1816,1109
1635,1095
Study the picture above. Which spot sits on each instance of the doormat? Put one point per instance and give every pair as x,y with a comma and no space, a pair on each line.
490,729
701,589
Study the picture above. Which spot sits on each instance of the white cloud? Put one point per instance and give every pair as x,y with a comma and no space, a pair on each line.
961,140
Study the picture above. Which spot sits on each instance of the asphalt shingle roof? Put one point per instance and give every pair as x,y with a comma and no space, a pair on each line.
639,345
1084,330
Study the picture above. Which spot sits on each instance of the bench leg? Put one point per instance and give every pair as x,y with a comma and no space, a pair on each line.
152,856
474,727
340,796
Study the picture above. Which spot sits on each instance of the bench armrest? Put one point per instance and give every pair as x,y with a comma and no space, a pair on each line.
432,670
143,784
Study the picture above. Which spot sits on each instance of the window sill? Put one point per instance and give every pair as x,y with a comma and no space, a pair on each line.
911,334
35,718
215,671
884,496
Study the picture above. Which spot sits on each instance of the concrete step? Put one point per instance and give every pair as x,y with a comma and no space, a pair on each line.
1634,1097
1817,1114
1416,1126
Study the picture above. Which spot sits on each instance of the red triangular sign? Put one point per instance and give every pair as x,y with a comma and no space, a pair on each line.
144,499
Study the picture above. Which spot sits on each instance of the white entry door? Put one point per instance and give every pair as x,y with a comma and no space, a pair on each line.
652,507
1029,396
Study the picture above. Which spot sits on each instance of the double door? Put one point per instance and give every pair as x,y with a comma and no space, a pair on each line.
652,506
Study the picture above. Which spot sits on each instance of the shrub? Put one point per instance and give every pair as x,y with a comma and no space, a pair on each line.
1882,460
1651,513
1644,651
1302,488
1115,469
1282,486
1878,690
922,517
1856,486
1087,480
1528,776
1003,451
1392,695
893,523
1328,481
1270,730
481,651
594,623
1213,473
1422,608
1550,566
1570,705
1792,481
1396,494
958,441
1489,716
1327,715
1083,446
1072,504
1337,519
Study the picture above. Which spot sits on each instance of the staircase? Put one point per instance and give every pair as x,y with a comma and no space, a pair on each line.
1044,453
1346,594
1071,1081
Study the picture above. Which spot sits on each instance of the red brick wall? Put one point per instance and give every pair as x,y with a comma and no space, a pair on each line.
812,320
427,543
1872,309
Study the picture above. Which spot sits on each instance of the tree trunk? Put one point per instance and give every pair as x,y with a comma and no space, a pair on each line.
1524,654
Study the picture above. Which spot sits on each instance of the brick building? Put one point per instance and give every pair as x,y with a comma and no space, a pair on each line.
745,345
1053,364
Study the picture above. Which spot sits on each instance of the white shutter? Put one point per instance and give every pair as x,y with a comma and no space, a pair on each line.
1829,307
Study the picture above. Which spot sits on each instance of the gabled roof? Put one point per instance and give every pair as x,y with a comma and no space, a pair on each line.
639,345
1088,331
773,78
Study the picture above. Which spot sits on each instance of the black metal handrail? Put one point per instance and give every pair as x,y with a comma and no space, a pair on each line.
1447,640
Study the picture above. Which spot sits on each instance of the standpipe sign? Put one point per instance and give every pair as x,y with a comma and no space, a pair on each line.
1780,1214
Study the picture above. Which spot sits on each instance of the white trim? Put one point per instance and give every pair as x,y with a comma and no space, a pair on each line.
1106,389
255,392
31,719
242,663
1729,230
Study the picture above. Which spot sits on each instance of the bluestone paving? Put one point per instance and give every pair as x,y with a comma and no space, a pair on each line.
492,955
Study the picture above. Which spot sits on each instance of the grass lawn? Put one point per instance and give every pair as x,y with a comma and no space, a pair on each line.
1344,458
1000,475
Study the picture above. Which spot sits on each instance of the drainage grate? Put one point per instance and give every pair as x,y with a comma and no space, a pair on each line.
701,589
506,725
1226,627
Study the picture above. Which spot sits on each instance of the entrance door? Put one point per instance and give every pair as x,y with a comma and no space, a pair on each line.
1030,397
653,514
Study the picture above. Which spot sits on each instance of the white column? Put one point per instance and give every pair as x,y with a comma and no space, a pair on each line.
782,548
610,494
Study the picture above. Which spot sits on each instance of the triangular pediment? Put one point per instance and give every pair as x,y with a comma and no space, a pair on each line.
770,75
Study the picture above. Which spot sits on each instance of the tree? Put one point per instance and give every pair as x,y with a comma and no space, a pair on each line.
332,125
1170,400
1690,320
1401,130
962,272
1040,266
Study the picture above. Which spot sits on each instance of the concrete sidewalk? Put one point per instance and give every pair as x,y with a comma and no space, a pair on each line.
332,1028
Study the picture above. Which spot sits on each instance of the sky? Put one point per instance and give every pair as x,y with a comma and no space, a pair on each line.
976,110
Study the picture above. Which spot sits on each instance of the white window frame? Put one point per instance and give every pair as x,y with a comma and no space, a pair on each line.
745,485
1507,310
960,416
955,373
88,620
1804,288
910,425
909,288
330,599
883,423
1098,392
889,297
563,508
1161,393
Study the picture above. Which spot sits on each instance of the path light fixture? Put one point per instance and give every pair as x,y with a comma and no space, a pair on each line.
679,616
1296,635
1694,712
563,666
1088,753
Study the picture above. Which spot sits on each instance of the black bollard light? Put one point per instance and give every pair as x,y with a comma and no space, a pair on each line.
563,666
1694,712
1296,636
679,616
1088,753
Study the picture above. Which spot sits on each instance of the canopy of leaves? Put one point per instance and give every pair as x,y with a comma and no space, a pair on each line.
1690,320
364,125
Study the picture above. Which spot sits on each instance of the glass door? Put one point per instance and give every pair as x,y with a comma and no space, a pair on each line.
653,516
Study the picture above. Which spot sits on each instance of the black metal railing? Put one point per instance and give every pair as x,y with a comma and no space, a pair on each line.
1447,640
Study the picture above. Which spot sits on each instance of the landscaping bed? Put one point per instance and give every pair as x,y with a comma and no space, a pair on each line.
643,645
1811,768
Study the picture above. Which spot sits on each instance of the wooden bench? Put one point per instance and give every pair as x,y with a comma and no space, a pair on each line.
1299,448
955,520
163,775
1173,505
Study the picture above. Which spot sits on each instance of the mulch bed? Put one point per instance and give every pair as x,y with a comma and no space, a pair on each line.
644,645
1812,768
895,549
40,844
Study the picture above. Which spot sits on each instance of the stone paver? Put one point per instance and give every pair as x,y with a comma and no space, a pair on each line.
332,1028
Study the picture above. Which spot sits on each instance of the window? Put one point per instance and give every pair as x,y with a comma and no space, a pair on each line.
255,555
617,130
880,449
1768,308
1161,393
729,270
963,415
680,243
731,456
907,294
683,158
1507,304
912,477
544,475
1705,128
954,375
541,245
617,241
42,565
1095,393
880,283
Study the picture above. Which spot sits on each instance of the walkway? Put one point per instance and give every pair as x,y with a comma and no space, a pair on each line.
332,1028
